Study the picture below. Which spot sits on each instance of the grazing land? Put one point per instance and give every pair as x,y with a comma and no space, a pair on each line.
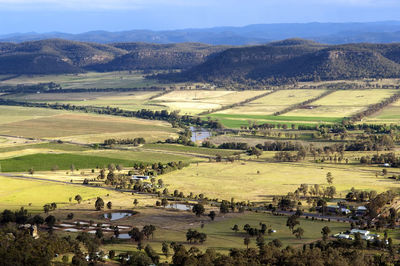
197,101
243,182
118,79
132,101
33,194
189,150
62,147
80,127
274,102
343,103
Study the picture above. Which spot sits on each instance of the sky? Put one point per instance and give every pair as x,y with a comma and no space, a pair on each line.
75,16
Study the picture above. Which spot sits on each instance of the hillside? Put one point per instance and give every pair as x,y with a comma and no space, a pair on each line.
299,60
57,56
158,56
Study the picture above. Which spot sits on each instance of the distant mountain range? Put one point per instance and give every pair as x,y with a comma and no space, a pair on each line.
330,33
276,62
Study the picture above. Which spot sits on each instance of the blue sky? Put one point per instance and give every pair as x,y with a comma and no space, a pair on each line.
76,16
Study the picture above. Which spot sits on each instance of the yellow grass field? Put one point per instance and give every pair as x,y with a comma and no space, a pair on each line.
196,101
277,101
343,103
16,193
241,181
80,127
9,114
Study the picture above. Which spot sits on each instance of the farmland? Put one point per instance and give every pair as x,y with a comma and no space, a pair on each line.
33,194
62,147
120,79
275,102
243,182
343,103
196,101
78,127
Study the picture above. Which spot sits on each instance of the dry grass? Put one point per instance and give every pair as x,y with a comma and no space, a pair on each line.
275,102
241,180
86,127
196,101
343,103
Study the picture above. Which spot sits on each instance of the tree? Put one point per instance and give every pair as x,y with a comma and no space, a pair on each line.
298,232
224,207
99,233
165,249
99,204
325,232
109,205
198,209
260,242
246,241
292,222
160,183
164,202
235,228
212,215
50,221
31,171
135,202
78,198
329,178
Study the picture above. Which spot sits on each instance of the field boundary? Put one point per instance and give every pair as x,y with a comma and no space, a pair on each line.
239,103
374,108
160,94
302,104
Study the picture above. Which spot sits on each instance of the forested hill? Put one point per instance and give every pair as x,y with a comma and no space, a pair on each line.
56,56
297,60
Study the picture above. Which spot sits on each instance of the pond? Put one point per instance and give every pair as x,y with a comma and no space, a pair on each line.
199,134
179,206
124,236
116,215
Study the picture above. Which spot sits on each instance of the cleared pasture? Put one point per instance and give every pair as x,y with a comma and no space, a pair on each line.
196,101
32,194
343,103
222,238
10,114
85,128
63,161
118,79
241,180
274,102
189,150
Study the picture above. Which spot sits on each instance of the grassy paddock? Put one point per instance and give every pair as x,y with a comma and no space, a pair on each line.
275,102
188,149
17,193
80,127
222,238
44,162
278,118
241,180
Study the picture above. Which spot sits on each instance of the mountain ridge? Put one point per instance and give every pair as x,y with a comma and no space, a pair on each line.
332,33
